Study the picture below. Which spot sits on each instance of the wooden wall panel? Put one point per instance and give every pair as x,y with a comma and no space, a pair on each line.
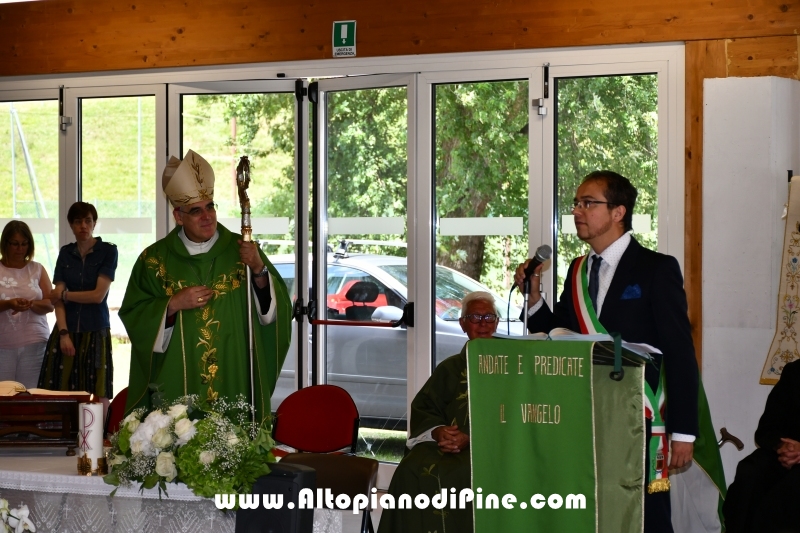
704,59
61,36
763,56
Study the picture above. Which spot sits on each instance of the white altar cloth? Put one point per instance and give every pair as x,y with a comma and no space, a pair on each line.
61,501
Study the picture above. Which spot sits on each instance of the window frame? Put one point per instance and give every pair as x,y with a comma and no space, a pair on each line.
666,59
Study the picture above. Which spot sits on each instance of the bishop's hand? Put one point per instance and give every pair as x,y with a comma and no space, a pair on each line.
189,298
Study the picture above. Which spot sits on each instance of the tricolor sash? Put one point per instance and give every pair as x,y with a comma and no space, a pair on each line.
658,474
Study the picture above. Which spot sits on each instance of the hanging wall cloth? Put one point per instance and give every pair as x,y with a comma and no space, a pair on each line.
784,347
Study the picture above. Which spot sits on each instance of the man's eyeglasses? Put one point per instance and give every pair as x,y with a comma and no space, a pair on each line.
489,318
587,204
197,211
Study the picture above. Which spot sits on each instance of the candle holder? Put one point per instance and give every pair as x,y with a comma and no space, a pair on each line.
102,466
84,466
87,468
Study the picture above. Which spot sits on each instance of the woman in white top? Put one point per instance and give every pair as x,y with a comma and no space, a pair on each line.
24,291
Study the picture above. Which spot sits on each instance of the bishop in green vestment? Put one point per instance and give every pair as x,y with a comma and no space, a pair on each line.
185,308
437,457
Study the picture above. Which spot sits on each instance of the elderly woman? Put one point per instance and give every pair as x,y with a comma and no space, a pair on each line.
78,355
24,291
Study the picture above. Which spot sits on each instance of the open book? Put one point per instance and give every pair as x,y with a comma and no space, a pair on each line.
564,334
12,388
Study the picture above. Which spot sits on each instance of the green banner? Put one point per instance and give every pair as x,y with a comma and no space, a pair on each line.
555,436
531,432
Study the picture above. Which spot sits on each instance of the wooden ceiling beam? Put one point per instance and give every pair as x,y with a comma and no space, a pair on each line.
63,36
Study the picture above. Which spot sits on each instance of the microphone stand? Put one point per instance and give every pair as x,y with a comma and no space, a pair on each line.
526,288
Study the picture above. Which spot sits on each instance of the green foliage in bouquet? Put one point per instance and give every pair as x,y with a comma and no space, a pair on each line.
222,458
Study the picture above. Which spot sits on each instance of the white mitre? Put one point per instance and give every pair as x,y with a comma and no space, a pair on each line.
188,181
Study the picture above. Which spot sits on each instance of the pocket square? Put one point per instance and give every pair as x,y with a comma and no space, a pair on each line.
632,292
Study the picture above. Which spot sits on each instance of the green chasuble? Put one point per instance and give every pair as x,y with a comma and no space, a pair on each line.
425,469
207,353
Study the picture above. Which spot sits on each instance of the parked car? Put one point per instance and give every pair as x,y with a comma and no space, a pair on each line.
371,363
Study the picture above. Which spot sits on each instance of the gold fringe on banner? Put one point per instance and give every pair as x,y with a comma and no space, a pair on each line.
658,485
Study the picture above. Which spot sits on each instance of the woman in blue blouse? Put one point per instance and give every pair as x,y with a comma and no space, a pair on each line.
78,355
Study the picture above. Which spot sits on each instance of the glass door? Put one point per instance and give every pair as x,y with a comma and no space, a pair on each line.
483,131
29,167
223,121
361,253
613,117
115,152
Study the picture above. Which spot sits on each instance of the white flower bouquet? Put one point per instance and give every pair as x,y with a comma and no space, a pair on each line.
213,448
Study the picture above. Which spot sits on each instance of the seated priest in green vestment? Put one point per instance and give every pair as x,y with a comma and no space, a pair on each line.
185,308
437,456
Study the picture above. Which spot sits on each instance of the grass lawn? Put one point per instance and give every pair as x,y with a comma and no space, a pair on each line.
381,444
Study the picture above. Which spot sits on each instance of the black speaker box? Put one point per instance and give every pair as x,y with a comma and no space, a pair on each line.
286,480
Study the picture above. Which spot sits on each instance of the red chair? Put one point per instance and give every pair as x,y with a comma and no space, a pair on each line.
320,420
116,411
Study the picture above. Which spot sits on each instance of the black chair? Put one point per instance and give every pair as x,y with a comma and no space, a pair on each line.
342,474
285,481
362,292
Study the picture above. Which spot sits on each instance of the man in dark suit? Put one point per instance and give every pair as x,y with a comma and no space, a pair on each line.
763,495
635,292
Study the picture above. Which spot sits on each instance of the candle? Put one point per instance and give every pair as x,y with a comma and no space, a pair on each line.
90,437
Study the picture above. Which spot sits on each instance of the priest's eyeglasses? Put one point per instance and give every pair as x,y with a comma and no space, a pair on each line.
587,204
197,211
489,318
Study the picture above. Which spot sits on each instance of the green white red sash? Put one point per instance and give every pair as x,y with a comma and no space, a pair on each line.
658,475
587,317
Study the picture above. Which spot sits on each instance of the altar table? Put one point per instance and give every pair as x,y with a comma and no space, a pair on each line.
61,501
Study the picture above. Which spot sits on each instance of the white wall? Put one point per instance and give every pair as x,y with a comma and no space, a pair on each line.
751,138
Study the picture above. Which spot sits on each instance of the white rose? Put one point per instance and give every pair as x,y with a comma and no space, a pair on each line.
178,411
162,438
185,429
207,457
132,416
165,465
233,440
183,426
132,425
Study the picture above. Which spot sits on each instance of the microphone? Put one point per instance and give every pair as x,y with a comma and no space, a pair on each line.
542,254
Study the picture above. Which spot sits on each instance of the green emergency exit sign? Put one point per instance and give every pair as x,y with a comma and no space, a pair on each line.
344,38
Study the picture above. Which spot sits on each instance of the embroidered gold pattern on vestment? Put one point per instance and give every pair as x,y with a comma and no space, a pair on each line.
208,326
